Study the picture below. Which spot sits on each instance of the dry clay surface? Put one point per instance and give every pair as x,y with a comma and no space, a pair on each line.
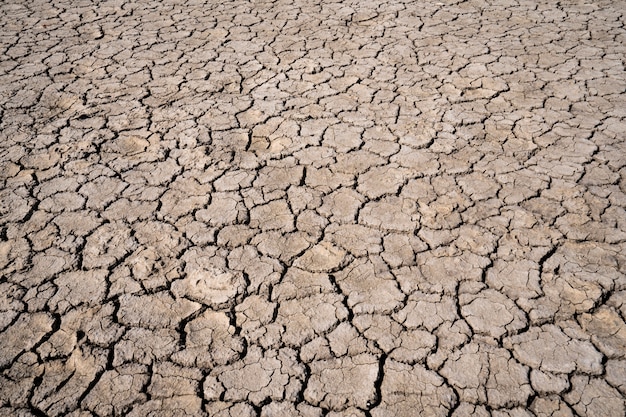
312,208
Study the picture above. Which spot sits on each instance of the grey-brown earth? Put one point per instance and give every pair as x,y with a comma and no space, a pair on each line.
312,208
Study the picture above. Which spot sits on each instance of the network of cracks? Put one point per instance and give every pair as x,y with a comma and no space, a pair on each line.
312,208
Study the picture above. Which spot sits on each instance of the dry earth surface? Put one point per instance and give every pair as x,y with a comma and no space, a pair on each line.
312,208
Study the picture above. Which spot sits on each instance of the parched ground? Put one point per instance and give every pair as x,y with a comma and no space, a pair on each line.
312,208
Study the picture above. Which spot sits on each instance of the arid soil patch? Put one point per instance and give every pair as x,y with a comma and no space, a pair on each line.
312,208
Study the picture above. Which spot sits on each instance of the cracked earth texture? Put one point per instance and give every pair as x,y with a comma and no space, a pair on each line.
312,208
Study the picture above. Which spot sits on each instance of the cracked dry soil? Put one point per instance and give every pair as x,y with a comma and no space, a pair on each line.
312,208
